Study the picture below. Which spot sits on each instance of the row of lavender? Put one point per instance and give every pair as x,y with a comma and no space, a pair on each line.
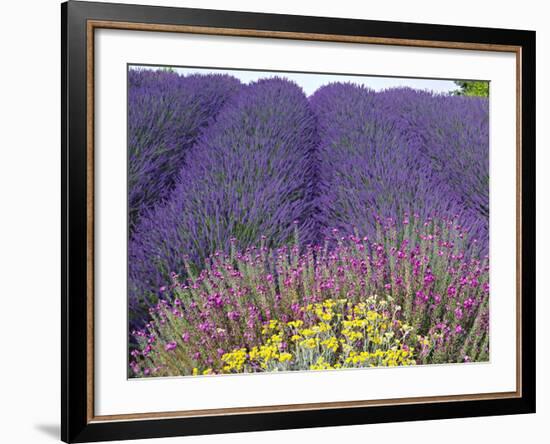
212,160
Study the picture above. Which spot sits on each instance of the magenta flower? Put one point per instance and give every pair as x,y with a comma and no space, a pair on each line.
421,296
234,315
428,279
171,346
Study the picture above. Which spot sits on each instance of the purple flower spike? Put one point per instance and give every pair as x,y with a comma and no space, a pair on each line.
166,113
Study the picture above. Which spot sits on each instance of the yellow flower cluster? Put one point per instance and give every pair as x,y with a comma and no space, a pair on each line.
321,364
234,360
208,371
332,334
381,358
269,353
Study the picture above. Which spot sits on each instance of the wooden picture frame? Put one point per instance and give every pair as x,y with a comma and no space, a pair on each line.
80,20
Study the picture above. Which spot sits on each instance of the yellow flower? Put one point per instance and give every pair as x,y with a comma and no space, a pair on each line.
352,335
321,364
307,332
267,352
309,343
373,316
254,354
324,316
276,338
235,360
283,357
272,325
295,324
331,343
321,327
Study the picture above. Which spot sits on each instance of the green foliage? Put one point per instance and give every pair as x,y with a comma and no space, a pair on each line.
472,88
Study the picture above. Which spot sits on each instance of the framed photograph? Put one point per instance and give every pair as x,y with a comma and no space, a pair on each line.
275,221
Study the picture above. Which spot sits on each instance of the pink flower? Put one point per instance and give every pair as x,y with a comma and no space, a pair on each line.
428,279
421,296
171,346
234,315
458,329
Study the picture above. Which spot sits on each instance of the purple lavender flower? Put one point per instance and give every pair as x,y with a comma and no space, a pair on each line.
383,155
451,134
166,113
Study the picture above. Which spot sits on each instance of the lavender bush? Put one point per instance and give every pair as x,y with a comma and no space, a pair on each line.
252,174
375,163
451,135
166,113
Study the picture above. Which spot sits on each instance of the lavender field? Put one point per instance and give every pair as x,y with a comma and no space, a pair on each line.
270,230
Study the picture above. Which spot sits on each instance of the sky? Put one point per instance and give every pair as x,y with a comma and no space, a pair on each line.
311,82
